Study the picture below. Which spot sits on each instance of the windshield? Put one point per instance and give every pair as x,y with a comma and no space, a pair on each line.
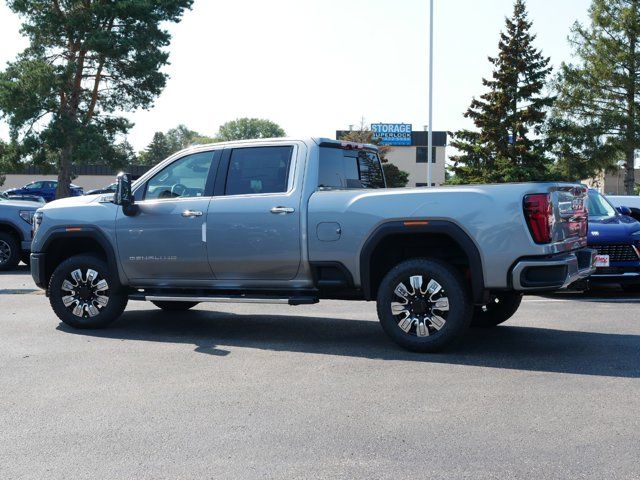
599,207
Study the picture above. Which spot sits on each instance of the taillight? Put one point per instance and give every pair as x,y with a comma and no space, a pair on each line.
539,214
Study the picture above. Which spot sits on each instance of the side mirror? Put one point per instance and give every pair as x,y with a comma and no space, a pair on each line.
624,211
123,195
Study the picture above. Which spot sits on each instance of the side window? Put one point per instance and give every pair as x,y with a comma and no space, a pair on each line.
258,170
422,157
186,177
34,186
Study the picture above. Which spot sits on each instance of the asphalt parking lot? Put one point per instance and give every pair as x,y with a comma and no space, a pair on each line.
265,391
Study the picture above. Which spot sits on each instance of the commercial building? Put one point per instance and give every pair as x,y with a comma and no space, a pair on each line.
408,151
611,183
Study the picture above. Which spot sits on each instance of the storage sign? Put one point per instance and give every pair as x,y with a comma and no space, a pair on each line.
392,133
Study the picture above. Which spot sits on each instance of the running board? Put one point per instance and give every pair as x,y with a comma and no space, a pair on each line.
298,300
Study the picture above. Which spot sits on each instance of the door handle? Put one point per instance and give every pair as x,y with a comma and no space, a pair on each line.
282,210
192,213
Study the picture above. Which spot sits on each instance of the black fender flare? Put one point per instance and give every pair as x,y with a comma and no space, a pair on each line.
13,228
423,226
89,232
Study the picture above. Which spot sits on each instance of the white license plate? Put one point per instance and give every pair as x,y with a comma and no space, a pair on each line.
602,261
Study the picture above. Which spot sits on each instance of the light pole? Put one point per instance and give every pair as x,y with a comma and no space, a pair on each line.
430,132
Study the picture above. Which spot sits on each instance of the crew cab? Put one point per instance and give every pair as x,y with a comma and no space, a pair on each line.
294,221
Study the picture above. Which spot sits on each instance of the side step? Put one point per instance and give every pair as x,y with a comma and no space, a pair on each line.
264,299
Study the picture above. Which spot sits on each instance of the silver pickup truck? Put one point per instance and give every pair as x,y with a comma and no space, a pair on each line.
294,221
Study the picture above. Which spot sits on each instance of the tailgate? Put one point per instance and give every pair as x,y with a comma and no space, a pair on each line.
570,219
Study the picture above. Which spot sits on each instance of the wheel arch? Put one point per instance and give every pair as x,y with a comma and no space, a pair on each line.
12,229
416,232
62,244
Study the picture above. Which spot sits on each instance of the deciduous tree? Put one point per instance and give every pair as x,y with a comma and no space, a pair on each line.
86,61
249,128
165,144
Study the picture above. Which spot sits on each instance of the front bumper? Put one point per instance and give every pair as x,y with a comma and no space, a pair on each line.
622,277
552,273
38,271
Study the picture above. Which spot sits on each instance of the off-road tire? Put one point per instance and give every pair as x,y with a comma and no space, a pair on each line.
175,306
458,301
10,252
117,299
502,307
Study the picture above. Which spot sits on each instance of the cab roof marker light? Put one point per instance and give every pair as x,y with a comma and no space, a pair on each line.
415,223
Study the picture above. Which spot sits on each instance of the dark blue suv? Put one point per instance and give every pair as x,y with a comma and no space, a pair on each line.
45,189
616,237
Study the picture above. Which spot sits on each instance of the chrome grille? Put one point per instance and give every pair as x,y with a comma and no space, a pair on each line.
618,253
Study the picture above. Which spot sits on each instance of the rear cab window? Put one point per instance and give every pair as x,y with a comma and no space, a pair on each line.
342,168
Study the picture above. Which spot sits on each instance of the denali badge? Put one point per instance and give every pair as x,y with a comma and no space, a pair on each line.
153,259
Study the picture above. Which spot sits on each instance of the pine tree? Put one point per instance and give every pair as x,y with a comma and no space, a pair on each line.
509,118
597,117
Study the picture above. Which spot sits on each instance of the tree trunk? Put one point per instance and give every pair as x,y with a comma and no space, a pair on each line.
64,174
629,173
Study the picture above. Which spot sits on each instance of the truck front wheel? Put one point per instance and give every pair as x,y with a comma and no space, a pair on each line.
424,304
500,309
82,294
9,251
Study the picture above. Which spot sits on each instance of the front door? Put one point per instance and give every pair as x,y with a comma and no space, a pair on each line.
164,239
253,224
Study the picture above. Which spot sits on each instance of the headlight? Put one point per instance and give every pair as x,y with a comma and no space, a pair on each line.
27,216
37,220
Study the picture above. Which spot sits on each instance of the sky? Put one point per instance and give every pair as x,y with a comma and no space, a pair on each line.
317,66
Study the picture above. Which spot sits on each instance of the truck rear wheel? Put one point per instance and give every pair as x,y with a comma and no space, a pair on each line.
424,304
9,251
81,293
175,306
500,309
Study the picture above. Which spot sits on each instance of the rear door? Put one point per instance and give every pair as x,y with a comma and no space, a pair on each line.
253,223
165,239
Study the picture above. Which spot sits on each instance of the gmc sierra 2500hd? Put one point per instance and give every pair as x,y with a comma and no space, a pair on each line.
297,220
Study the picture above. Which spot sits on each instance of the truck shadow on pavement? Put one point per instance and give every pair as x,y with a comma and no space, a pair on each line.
510,347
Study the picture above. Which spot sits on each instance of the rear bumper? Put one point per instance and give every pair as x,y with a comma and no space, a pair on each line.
552,273
38,272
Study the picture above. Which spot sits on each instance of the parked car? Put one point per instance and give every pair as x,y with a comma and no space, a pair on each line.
111,188
616,237
295,221
29,198
15,231
632,202
43,188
